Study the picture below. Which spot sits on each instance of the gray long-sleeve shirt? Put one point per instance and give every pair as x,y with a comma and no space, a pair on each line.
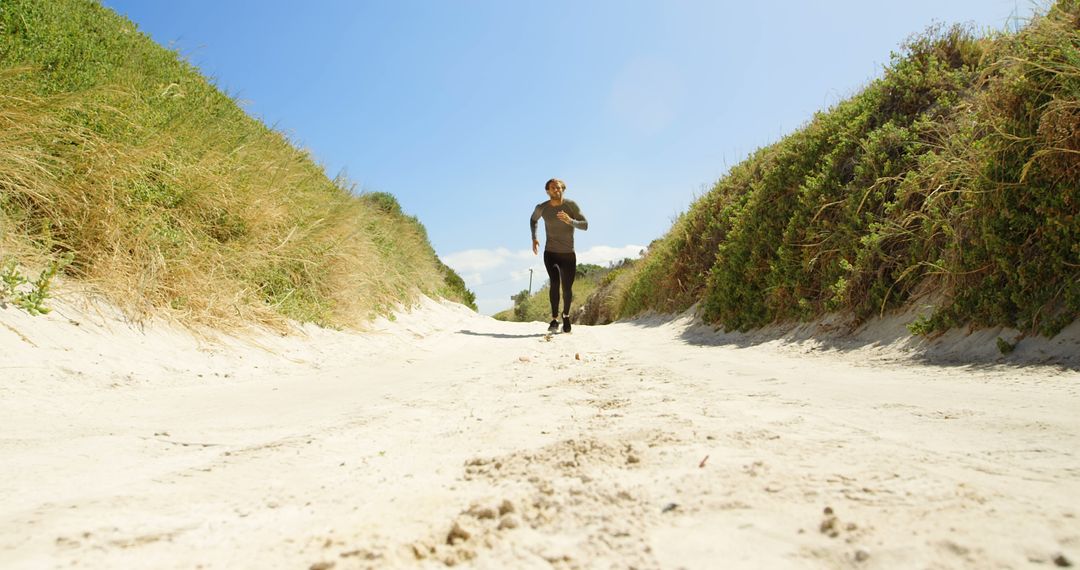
560,235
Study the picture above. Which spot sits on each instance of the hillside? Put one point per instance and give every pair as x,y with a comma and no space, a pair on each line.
953,180
141,181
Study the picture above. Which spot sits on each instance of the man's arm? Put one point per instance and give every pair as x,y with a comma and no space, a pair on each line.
534,219
579,222
532,225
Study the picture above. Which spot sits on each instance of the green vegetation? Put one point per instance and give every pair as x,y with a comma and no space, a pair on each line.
601,304
22,292
537,307
168,199
954,177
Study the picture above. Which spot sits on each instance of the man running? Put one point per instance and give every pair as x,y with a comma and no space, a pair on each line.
561,218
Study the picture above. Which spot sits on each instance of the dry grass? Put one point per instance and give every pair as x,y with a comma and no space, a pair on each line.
174,203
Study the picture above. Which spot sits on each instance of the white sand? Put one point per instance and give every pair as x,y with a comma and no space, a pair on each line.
448,438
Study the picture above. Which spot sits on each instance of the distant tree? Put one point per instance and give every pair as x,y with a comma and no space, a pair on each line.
521,305
584,269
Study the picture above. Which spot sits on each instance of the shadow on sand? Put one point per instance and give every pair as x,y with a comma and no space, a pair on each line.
500,335
975,349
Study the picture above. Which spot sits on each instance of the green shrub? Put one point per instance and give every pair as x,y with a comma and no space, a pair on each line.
28,295
956,174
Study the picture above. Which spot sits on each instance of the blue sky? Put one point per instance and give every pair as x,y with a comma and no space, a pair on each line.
463,109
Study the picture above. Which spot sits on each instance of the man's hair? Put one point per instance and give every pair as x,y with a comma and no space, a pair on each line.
559,183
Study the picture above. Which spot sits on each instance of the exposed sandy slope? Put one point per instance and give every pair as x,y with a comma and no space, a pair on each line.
450,438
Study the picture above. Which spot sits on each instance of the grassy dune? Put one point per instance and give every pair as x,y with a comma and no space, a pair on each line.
537,307
161,194
955,177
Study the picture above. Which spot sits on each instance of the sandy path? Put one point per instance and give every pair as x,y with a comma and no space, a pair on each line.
449,438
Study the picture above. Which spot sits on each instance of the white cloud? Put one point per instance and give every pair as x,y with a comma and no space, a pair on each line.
605,254
523,274
472,260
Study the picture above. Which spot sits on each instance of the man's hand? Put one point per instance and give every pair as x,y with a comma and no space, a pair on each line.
565,217
536,246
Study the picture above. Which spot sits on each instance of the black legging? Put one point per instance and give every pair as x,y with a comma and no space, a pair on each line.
561,268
